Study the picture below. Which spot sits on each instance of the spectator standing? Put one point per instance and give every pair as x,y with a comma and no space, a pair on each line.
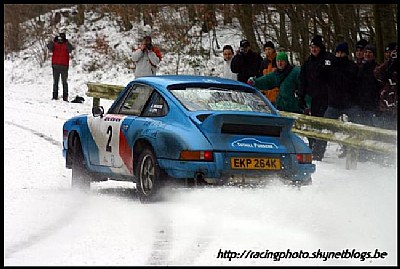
386,74
246,63
268,65
147,58
60,48
227,53
287,78
342,90
359,53
314,81
367,94
343,83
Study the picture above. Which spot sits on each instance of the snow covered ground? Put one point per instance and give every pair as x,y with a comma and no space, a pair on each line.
46,223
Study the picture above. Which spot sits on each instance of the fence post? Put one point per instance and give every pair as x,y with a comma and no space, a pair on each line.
351,158
96,101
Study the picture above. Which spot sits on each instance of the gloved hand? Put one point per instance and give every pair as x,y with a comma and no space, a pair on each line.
307,111
302,103
251,81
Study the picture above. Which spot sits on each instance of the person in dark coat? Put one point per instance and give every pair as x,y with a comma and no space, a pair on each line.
367,97
342,90
61,48
246,63
343,83
315,81
367,92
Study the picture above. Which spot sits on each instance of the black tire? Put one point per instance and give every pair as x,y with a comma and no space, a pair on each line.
148,179
80,178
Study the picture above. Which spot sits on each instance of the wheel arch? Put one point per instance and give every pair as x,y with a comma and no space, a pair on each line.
140,144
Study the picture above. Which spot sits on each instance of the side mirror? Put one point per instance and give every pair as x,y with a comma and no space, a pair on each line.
98,111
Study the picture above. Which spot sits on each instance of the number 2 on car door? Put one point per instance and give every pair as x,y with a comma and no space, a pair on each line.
109,131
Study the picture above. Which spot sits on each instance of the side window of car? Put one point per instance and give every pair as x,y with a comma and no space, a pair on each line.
156,107
135,100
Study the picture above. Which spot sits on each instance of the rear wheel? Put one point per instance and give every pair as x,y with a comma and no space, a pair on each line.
148,179
80,178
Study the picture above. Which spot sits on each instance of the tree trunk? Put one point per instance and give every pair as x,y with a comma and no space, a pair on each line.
378,33
244,13
227,13
385,24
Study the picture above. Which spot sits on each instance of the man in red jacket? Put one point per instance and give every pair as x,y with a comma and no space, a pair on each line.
61,48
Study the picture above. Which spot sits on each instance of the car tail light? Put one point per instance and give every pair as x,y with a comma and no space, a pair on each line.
304,158
199,155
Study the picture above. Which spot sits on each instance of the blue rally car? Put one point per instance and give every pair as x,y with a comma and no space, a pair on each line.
180,127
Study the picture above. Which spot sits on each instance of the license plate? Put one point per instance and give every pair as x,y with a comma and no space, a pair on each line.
256,163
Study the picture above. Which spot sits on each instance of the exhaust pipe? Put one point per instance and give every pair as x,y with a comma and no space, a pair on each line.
198,176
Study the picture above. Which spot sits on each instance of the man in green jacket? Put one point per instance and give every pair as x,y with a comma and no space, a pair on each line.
286,78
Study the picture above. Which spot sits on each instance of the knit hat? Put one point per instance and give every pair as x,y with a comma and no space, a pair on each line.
244,43
317,41
371,48
343,47
361,44
269,44
282,56
391,46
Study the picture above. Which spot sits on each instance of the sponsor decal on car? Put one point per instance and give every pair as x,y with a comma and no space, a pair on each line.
253,143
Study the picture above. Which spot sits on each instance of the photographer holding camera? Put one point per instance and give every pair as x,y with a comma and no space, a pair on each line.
146,58
246,63
61,48
386,74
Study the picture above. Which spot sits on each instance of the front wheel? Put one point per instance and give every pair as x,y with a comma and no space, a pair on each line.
80,178
147,176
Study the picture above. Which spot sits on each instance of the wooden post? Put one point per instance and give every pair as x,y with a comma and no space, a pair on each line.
351,158
96,101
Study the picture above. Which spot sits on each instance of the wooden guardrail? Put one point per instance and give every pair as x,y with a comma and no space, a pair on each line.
352,135
99,90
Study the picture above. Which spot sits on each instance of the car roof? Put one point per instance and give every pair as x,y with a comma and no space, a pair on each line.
166,80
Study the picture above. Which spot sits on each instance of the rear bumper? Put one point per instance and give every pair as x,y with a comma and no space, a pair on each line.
220,169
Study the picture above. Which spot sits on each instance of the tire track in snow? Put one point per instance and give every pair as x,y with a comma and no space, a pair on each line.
42,135
47,230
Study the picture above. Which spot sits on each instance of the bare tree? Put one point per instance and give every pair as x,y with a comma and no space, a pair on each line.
244,13
384,20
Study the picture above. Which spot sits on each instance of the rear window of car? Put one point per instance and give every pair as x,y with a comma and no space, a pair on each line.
198,98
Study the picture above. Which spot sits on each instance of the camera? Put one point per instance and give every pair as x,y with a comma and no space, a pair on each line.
149,46
59,39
